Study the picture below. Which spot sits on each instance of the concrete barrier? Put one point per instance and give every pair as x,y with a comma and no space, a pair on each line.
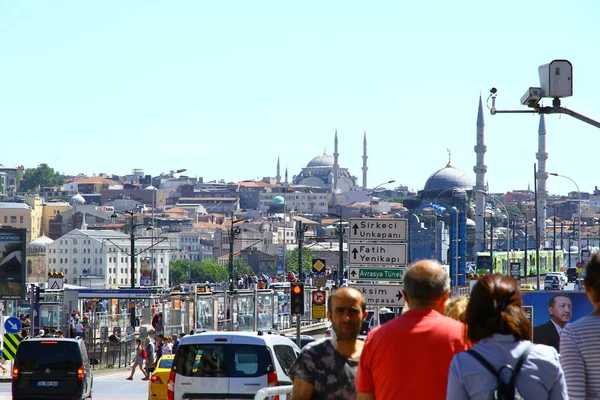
308,328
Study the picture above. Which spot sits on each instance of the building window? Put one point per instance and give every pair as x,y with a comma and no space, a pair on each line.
21,219
75,241
6,219
13,219
74,261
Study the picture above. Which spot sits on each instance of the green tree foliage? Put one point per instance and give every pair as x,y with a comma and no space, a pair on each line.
43,175
212,271
179,271
241,268
183,271
291,259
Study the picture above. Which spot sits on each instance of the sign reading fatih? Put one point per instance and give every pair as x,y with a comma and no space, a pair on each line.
377,253
376,229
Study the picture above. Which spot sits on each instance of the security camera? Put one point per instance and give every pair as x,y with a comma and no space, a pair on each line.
493,90
532,97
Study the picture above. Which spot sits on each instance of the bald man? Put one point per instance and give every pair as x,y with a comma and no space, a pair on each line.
409,357
327,369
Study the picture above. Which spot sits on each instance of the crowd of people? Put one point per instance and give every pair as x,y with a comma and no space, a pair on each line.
149,353
470,348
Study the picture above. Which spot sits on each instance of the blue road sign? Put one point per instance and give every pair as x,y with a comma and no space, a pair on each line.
12,325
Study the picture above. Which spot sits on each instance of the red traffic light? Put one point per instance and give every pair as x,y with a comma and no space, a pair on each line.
297,289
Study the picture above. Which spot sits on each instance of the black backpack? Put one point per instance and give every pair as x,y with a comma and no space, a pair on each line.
505,390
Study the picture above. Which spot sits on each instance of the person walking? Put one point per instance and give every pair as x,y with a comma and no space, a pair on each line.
408,357
138,361
160,343
327,369
502,333
580,343
149,347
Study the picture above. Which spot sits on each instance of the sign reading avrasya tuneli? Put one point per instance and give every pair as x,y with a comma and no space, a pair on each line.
376,229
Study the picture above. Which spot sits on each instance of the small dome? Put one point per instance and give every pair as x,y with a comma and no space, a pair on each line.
448,178
278,200
77,200
324,160
42,241
470,222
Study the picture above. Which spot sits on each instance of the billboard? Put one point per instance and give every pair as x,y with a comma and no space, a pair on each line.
12,263
547,316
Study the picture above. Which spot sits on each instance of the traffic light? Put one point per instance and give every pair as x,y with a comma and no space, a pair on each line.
297,298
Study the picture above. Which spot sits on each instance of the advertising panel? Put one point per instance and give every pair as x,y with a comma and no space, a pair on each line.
553,309
12,263
146,271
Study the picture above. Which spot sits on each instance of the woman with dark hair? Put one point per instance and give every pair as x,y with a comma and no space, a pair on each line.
501,332
580,342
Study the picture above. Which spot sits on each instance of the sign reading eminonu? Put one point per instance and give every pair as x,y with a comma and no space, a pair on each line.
375,229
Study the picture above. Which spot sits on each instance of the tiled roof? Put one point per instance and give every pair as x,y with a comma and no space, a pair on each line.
207,225
175,210
254,184
95,180
201,199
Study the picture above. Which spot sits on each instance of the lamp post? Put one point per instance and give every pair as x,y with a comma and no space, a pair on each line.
373,192
154,277
132,255
554,239
578,211
339,232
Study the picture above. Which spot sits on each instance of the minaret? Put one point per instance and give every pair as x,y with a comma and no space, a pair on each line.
480,186
364,167
278,176
542,175
84,224
335,163
286,177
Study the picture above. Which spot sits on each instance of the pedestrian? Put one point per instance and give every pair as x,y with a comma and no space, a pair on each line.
138,360
168,346
149,347
79,329
502,333
409,356
580,343
159,346
175,341
456,308
327,369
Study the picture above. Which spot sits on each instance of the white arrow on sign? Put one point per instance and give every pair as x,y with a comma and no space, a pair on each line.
376,229
377,253
381,295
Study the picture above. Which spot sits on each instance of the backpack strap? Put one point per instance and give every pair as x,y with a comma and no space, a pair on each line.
520,363
484,362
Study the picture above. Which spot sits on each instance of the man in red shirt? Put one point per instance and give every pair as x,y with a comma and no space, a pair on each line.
409,357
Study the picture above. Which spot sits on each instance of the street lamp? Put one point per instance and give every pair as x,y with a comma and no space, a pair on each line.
578,210
483,192
132,254
375,191
154,277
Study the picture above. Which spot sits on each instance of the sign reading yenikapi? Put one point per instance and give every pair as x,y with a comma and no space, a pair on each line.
376,229
381,295
377,274
377,254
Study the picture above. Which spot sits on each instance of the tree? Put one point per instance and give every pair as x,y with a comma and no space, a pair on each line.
180,271
291,259
240,268
212,271
43,175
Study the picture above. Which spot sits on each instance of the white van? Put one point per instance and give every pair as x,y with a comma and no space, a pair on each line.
230,365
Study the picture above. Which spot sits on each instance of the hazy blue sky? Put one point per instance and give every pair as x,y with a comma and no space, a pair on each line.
224,88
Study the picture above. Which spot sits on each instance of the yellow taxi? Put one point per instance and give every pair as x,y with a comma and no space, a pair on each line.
527,286
157,387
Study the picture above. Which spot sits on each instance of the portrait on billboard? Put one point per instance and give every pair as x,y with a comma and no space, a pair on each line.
552,310
12,263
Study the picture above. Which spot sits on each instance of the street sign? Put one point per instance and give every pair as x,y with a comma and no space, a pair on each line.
377,274
318,265
55,283
12,325
318,311
377,253
11,342
376,229
318,297
515,270
381,295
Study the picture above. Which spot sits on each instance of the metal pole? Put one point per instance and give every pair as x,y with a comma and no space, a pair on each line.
491,243
537,227
132,270
341,252
526,245
456,256
299,317
554,241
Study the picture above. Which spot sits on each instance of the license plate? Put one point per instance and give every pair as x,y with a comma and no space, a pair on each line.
48,383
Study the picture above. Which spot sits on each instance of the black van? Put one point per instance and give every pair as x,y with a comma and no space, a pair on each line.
572,274
52,368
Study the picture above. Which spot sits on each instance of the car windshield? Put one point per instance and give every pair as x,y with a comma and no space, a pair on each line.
166,363
48,354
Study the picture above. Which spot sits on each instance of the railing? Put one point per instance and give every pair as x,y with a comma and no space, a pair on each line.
113,354
263,393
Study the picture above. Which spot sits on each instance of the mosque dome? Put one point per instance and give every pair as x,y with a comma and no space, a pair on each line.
77,200
323,160
42,241
448,178
278,200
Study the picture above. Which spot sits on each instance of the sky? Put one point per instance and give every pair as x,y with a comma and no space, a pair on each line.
224,88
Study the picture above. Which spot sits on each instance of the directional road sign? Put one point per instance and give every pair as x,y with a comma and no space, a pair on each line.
377,253
381,295
12,325
377,274
376,229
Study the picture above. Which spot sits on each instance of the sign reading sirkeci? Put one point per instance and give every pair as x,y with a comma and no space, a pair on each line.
376,229
377,253
381,295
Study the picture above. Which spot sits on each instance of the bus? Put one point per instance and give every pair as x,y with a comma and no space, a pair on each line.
501,262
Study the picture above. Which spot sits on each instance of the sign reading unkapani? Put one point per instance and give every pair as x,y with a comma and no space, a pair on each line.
12,263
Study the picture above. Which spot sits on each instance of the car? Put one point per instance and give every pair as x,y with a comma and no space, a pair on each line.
572,274
230,364
304,339
527,286
329,332
280,286
562,276
52,368
553,282
385,315
157,386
